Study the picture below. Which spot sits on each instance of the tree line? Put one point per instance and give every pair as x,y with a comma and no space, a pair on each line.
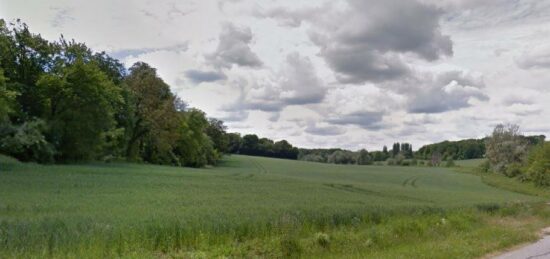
62,102
399,152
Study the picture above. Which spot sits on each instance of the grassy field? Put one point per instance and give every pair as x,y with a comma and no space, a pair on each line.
255,207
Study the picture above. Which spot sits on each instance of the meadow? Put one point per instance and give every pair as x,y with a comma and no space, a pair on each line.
255,207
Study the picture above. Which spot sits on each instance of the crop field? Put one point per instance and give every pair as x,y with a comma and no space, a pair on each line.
129,210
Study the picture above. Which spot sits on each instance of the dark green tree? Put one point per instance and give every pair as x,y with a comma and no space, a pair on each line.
79,106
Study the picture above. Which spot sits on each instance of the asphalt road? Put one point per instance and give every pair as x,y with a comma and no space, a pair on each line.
538,250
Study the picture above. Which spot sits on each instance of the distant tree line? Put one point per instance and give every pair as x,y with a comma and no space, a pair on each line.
400,151
464,149
254,146
62,102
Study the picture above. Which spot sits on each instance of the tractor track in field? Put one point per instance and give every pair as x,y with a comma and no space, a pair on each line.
259,166
410,181
351,188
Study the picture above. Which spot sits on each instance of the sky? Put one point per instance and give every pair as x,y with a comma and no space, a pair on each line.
351,74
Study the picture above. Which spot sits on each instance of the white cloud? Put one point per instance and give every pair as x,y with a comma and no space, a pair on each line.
352,74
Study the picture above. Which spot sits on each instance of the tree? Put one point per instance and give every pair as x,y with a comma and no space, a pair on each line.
249,145
505,147
363,157
79,108
396,149
151,121
539,165
217,133
283,149
193,147
435,159
234,142
7,99
341,157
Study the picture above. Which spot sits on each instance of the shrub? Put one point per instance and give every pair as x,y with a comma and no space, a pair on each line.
26,142
399,159
406,163
414,162
488,207
390,161
505,147
322,240
513,170
539,165
450,162
290,247
485,166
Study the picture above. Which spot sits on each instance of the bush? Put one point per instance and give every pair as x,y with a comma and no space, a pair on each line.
26,142
406,163
322,240
290,247
539,165
390,161
485,166
414,162
513,170
450,162
399,159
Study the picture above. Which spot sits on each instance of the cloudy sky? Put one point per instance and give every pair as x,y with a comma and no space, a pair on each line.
351,74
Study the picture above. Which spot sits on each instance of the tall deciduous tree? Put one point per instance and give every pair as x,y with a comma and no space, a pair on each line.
151,120
79,102
7,99
194,147
364,158
217,133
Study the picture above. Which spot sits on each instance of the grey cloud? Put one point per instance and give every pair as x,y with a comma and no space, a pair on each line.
233,48
536,58
366,42
444,92
474,14
198,76
365,119
300,83
324,131
235,117
517,99
123,53
296,84
292,18
61,17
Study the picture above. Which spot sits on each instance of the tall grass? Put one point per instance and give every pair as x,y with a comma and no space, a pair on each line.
126,210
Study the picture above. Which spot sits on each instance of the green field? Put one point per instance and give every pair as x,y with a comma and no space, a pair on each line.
133,210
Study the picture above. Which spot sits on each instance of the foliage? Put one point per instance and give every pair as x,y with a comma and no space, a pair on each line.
539,165
151,125
364,158
7,99
78,108
254,146
26,142
217,133
460,150
505,147
75,104
341,157
194,147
